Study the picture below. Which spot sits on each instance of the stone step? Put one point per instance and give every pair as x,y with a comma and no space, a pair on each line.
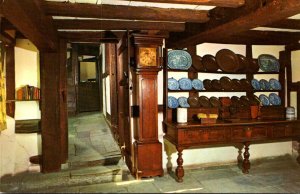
65,178
94,160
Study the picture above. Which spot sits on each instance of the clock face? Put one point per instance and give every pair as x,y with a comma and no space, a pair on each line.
147,56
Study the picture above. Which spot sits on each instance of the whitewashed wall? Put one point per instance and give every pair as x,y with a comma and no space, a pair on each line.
16,149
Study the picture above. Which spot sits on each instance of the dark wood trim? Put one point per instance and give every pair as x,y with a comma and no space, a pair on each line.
117,25
10,80
63,109
51,134
218,3
287,24
78,35
28,17
124,12
238,21
257,37
28,126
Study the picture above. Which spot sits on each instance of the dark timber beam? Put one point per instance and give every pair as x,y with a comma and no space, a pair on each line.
256,37
28,17
219,3
287,24
267,13
124,12
117,25
83,35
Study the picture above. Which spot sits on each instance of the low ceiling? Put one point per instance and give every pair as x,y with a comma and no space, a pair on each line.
183,22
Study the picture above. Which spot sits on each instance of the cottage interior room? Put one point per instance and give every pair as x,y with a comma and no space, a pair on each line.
115,57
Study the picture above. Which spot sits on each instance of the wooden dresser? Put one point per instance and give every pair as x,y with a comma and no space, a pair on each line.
244,131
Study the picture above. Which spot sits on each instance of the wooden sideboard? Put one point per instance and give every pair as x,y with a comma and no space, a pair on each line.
244,131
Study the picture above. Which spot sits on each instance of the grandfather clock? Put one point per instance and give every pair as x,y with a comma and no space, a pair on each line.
147,148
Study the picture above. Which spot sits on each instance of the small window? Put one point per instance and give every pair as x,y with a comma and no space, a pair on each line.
88,72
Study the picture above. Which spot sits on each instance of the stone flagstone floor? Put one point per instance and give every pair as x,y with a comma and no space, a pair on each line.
267,175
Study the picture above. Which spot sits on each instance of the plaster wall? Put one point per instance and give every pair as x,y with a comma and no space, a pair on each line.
16,149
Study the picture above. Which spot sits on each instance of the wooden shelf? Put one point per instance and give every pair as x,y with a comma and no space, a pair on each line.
223,90
220,72
7,101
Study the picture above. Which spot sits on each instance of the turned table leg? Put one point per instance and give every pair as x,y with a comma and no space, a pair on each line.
179,169
246,162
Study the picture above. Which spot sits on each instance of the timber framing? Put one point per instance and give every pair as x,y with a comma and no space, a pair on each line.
28,17
219,3
87,24
267,13
124,12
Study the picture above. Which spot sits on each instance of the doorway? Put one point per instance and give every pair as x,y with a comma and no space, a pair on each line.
89,87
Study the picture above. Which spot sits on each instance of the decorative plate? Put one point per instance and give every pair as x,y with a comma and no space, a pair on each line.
209,63
197,84
245,84
244,63
204,101
255,84
244,101
226,83
197,63
193,101
264,100
235,101
173,84
274,99
254,100
216,84
236,84
264,84
268,63
253,66
172,102
179,59
207,84
185,84
215,102
183,102
227,60
275,84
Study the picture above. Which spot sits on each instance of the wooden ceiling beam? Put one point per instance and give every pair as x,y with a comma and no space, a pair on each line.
87,24
271,11
124,12
28,18
286,24
219,3
85,35
256,37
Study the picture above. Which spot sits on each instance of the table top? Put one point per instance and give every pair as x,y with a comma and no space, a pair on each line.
230,122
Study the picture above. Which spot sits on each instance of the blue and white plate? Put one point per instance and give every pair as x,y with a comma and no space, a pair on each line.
268,63
274,99
179,59
172,102
264,84
197,84
264,100
185,84
275,84
173,84
183,102
255,84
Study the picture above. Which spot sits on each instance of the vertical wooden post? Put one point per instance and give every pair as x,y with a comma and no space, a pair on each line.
63,112
10,80
53,109
147,148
